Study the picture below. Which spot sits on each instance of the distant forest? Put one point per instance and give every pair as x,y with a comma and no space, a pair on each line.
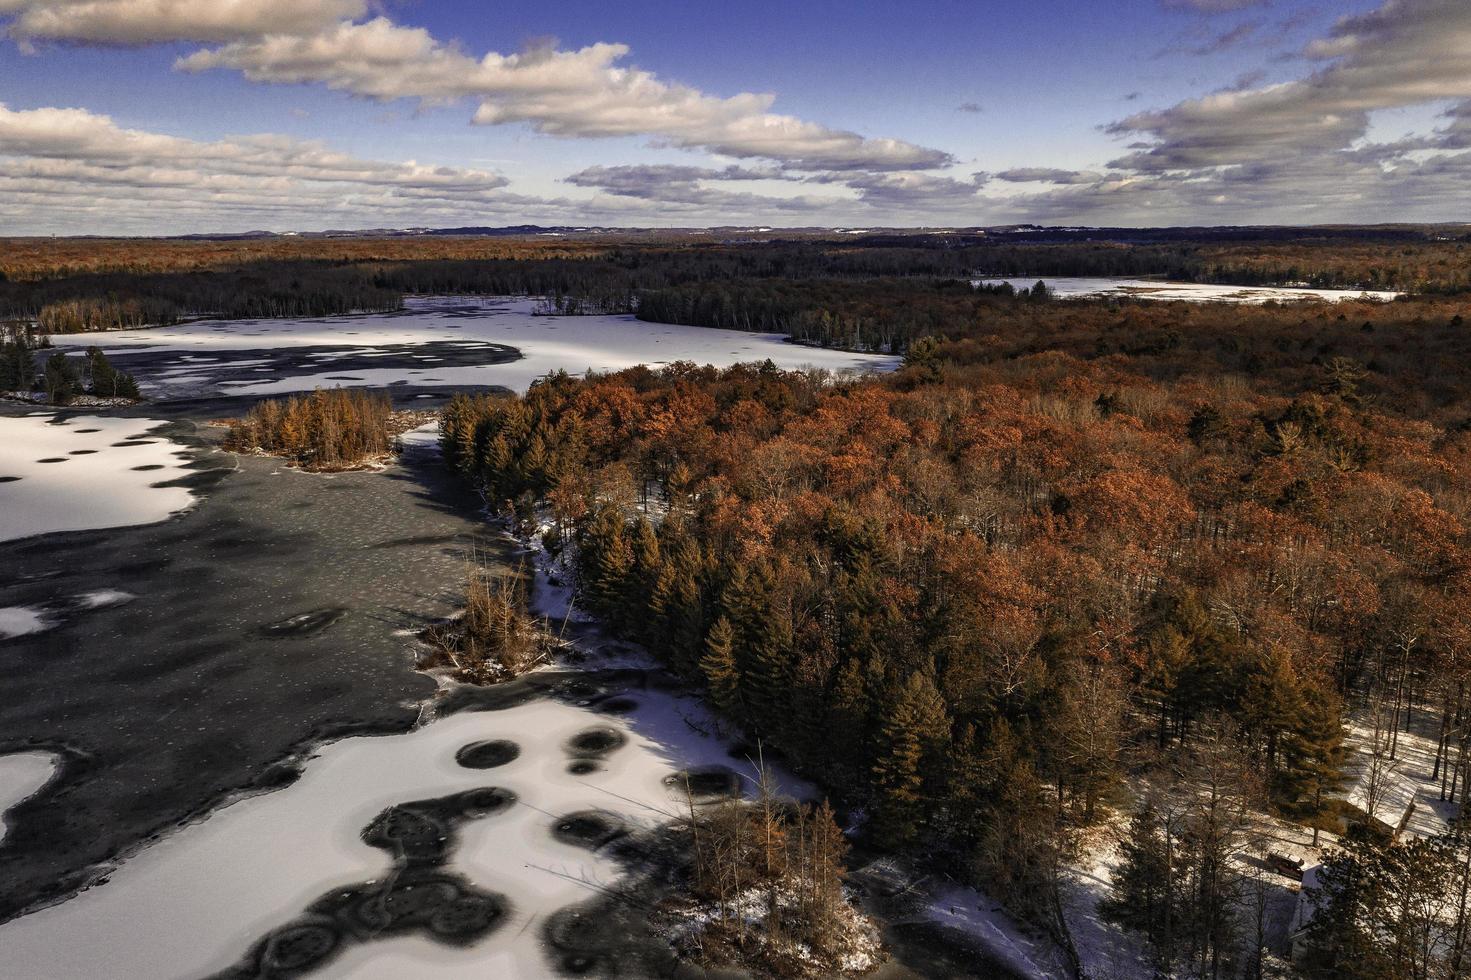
67,287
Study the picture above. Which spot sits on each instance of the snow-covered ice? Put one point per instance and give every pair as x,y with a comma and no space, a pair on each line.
21,775
573,343
20,620
1072,287
85,471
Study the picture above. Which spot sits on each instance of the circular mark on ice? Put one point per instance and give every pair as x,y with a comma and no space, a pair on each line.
305,624
583,767
487,755
297,948
588,828
593,743
705,784
616,706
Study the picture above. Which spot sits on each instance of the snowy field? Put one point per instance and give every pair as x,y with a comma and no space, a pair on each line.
72,473
457,342
21,775
1073,287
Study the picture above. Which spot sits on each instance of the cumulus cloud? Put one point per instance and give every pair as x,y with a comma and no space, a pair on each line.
686,188
132,22
587,92
1048,175
56,162
1407,52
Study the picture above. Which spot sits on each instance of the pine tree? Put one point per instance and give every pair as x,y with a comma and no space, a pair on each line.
910,742
1313,759
718,666
1141,897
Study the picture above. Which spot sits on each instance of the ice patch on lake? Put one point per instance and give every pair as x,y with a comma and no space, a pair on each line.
575,344
22,774
1075,287
82,472
20,620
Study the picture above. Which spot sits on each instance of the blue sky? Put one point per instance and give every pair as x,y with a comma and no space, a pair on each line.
168,116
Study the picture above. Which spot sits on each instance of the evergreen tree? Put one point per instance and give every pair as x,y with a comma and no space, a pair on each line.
910,744
1313,760
62,381
718,666
107,381
1142,897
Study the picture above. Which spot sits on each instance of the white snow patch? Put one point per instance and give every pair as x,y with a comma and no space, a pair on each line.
1073,287
22,774
96,488
20,620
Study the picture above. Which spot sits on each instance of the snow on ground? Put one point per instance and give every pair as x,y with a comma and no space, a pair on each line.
21,775
72,473
1408,781
1072,287
547,343
975,913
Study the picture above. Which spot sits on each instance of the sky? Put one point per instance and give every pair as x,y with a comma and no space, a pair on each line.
194,116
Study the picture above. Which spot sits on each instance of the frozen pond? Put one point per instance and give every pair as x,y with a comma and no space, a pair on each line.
75,472
433,343
1074,287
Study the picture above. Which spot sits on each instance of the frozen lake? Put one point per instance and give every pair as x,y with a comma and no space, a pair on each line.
1075,287
432,343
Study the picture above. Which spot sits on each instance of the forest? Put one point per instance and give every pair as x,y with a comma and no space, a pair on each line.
70,286
1075,560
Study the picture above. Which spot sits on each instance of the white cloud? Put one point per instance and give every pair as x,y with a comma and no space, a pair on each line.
587,92
581,93
128,22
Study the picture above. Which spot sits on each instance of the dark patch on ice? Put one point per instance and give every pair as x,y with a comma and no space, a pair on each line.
201,479
343,377
305,624
147,467
418,896
81,452
89,430
52,459
583,767
594,743
8,479
135,442
615,706
705,784
591,829
487,755
277,776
